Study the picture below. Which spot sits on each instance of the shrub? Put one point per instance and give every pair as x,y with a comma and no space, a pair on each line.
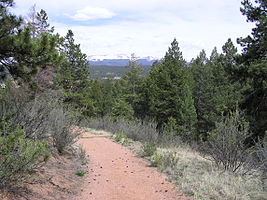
80,173
136,130
34,116
226,145
166,161
19,155
156,159
121,138
60,129
41,117
148,149
260,157
169,160
82,156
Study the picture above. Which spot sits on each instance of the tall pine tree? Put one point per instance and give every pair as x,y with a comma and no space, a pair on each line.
170,95
253,65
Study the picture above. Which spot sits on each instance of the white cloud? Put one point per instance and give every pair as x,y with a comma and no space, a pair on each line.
152,38
89,13
147,27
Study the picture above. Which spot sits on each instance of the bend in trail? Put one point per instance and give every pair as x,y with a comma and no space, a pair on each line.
115,173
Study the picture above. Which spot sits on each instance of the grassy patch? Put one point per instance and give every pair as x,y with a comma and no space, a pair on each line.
148,149
121,138
200,179
80,173
95,132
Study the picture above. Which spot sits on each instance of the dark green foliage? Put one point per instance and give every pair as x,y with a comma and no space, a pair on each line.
253,64
10,26
169,91
18,155
122,109
73,73
129,85
80,173
255,47
73,77
149,149
38,22
22,52
215,93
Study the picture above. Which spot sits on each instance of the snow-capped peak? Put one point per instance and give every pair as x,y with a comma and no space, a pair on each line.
118,57
105,57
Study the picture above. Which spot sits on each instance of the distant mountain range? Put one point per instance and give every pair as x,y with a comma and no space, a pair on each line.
119,60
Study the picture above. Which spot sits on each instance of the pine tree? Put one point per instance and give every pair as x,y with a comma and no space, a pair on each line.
38,22
10,26
131,82
21,54
74,72
253,65
170,94
202,93
215,93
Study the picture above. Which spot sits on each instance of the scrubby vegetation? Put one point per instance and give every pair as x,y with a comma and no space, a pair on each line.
35,121
213,105
191,167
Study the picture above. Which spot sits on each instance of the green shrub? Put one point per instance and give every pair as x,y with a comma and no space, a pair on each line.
120,137
156,159
148,149
19,155
164,160
169,160
82,156
80,173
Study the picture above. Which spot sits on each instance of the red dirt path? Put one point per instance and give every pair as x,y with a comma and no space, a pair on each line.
115,173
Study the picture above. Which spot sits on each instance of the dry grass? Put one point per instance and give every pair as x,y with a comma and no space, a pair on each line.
95,132
201,179
196,176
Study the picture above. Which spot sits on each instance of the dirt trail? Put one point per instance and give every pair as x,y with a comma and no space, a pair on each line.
115,173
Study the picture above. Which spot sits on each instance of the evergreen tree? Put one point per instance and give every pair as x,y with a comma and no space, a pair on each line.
21,55
215,93
38,22
202,93
122,109
169,92
74,72
253,65
131,82
73,78
10,26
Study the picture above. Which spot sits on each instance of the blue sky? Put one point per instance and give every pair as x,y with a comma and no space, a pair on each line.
144,27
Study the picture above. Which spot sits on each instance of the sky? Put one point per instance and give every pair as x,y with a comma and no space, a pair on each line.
144,27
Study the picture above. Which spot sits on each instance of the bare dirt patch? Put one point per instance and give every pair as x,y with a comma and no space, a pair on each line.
55,181
115,173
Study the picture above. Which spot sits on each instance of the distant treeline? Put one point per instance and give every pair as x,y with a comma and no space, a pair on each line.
110,72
